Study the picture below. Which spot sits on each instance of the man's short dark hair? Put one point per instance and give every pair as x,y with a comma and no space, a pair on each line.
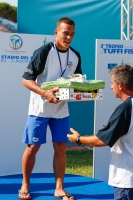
65,20
123,74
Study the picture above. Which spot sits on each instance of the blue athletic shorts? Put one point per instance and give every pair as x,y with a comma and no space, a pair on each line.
123,193
36,128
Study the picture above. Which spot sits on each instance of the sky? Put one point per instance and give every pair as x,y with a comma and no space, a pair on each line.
11,2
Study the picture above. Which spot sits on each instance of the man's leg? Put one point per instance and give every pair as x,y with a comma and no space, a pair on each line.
28,161
59,164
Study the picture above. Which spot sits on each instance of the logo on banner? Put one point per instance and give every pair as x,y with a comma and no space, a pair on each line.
45,41
15,42
111,65
69,65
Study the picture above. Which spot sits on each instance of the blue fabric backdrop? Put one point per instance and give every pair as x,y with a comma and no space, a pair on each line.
95,19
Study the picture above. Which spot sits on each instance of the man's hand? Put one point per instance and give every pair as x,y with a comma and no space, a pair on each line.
72,137
91,140
49,95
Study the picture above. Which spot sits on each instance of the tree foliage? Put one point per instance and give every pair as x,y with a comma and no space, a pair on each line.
8,12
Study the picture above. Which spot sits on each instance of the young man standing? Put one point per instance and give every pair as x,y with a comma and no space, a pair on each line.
118,134
49,62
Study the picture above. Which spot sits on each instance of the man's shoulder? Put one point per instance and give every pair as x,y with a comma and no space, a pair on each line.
127,102
126,105
75,51
45,48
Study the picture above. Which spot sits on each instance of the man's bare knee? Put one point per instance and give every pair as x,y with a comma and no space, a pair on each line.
59,147
32,149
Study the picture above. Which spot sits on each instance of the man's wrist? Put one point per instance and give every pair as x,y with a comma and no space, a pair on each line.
78,140
43,93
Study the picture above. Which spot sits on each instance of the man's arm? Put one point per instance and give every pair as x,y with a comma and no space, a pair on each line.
92,140
47,94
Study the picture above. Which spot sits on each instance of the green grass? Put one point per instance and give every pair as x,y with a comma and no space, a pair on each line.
79,162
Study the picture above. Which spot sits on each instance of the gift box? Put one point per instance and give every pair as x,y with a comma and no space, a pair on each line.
68,94
76,88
